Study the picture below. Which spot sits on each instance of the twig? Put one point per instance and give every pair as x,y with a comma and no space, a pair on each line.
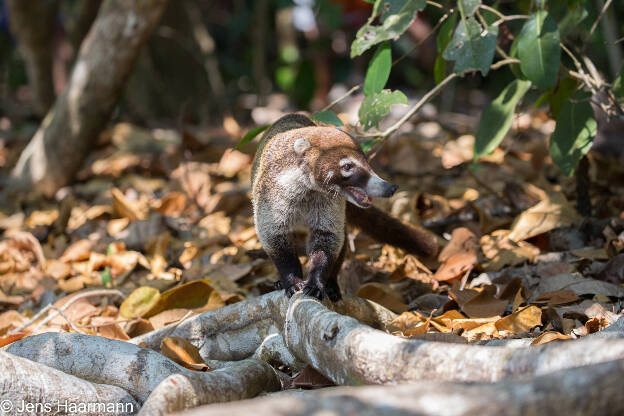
501,17
345,95
434,4
400,58
175,324
58,311
69,321
420,42
504,62
424,100
602,12
592,84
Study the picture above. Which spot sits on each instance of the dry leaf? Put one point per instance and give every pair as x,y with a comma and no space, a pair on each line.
551,213
126,208
309,378
113,331
8,339
559,297
503,252
158,250
39,218
550,336
140,302
197,294
184,353
138,327
476,304
233,162
167,317
172,204
383,295
579,285
459,256
78,251
521,321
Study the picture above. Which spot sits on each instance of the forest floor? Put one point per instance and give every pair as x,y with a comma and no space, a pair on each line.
164,216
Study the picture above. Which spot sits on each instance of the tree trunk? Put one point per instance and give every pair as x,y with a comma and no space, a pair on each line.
68,132
32,23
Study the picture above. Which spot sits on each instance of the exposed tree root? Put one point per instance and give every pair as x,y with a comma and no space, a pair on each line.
592,390
348,352
240,380
236,331
24,382
303,331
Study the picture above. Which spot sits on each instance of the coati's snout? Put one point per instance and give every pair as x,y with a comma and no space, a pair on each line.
359,184
378,187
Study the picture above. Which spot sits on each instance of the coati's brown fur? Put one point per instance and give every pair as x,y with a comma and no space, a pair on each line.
303,174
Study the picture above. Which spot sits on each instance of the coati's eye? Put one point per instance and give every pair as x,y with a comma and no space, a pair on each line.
347,167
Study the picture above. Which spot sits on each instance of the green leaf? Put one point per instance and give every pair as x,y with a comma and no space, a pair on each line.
395,17
105,276
374,107
471,48
497,117
367,146
327,117
574,133
539,51
468,7
250,135
560,96
446,32
378,70
513,53
444,37
618,85
439,69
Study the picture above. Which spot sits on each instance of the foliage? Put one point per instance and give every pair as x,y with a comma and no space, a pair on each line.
471,42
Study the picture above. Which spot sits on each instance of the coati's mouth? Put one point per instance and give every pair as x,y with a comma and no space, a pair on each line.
358,196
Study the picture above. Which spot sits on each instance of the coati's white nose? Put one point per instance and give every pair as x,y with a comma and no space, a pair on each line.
378,187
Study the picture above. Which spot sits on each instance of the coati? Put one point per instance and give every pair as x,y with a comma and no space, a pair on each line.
303,174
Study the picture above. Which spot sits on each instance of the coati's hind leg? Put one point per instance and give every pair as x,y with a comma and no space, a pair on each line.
284,256
323,259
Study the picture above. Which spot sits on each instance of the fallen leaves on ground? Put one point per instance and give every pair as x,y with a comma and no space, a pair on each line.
167,221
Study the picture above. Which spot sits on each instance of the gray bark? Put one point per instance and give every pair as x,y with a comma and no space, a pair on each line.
106,57
26,382
241,380
593,390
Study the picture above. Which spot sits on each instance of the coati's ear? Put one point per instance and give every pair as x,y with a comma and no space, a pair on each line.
301,145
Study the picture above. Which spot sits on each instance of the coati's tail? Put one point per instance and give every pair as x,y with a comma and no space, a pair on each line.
387,229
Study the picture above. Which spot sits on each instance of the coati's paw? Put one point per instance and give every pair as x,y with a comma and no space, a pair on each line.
294,288
333,293
314,289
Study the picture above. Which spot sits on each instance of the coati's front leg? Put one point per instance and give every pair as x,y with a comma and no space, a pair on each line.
284,255
325,256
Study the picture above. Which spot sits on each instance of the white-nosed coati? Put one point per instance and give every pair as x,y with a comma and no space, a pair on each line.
303,175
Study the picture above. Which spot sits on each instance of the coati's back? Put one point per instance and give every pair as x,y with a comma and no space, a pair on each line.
286,123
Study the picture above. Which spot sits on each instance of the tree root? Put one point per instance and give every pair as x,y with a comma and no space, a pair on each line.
592,390
24,382
350,353
236,331
240,380
302,331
